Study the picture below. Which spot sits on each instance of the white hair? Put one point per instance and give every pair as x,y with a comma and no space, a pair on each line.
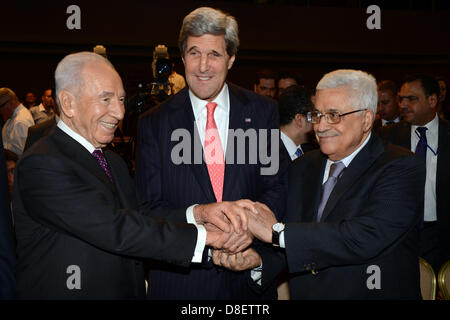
361,85
68,72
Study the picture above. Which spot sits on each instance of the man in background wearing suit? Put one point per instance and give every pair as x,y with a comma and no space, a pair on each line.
208,109
387,104
293,105
424,133
353,210
80,232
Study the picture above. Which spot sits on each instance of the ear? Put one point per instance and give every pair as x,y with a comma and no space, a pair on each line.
67,101
368,120
433,101
231,61
298,119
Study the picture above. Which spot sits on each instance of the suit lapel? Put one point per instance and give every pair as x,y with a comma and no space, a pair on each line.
237,120
77,153
183,117
359,165
125,192
314,191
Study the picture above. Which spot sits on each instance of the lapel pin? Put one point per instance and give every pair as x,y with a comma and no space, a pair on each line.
248,120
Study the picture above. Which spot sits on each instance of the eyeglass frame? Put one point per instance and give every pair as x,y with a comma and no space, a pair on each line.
327,117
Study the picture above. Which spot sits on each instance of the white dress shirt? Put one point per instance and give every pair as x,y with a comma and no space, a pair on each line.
15,130
201,238
432,135
383,122
290,145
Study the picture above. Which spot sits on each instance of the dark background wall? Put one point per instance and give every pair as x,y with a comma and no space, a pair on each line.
308,37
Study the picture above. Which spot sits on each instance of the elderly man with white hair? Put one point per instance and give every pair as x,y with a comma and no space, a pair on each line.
80,232
354,206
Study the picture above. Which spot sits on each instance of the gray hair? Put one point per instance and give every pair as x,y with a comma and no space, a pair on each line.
361,85
6,95
207,20
68,72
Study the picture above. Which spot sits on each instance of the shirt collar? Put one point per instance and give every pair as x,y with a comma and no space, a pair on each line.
81,140
346,161
222,101
291,147
432,126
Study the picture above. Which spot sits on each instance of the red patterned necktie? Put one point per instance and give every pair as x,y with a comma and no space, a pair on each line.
214,153
98,154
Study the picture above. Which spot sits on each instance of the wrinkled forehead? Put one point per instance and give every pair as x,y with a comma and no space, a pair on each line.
100,77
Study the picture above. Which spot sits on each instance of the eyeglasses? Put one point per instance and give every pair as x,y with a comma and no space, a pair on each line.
332,117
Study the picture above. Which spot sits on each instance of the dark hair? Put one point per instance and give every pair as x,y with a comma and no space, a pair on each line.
429,83
294,99
388,85
265,74
288,74
10,156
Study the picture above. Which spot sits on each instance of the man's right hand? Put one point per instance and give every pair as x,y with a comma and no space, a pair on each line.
260,224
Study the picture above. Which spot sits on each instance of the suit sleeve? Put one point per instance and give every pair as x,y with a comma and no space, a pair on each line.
60,198
388,211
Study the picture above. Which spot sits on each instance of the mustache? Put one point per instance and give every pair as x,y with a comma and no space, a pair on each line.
328,133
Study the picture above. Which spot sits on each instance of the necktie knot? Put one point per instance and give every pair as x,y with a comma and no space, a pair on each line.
210,107
422,131
336,169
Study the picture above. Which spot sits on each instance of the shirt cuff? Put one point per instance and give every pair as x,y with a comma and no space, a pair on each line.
282,244
201,235
256,274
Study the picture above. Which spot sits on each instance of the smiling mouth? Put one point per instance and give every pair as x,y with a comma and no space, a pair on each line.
203,78
108,125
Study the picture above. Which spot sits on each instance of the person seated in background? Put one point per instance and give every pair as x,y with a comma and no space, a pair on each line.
30,100
287,79
45,110
388,108
265,83
17,121
293,105
44,127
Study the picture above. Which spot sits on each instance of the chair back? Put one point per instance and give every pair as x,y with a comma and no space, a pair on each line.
444,280
427,280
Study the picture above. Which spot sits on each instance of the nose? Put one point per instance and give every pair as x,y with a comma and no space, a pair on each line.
118,109
204,63
323,124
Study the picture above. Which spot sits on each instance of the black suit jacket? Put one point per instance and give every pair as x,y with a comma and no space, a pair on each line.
7,256
165,184
370,219
68,213
38,131
400,134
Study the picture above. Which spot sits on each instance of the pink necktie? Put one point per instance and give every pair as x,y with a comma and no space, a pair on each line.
214,153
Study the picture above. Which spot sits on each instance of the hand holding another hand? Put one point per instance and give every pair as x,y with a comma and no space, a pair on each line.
240,261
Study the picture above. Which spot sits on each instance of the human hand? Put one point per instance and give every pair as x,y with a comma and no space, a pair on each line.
240,261
260,224
230,242
223,214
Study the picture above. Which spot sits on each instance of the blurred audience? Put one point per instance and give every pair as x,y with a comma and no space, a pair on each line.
265,83
287,79
17,121
388,108
45,110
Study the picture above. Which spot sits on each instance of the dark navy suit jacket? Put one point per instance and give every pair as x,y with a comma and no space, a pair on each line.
165,184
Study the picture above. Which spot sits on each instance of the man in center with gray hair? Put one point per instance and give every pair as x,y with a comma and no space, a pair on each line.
208,109
353,210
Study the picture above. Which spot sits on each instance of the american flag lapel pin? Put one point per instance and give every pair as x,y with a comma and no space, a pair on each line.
248,120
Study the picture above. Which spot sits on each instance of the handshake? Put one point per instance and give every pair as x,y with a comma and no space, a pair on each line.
231,227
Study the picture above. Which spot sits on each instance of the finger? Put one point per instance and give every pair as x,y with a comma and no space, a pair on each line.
232,212
247,204
216,218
